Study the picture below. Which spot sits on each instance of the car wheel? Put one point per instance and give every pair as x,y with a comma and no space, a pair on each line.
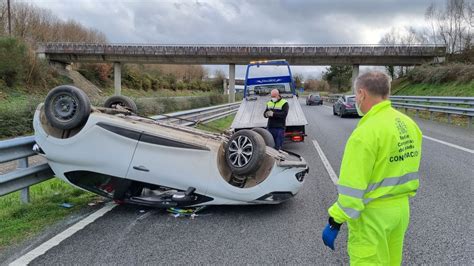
122,101
245,152
266,135
334,110
341,113
67,107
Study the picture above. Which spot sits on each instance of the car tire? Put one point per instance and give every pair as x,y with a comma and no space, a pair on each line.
341,113
334,111
266,135
254,145
67,107
123,101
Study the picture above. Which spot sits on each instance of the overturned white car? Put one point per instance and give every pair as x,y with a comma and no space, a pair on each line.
117,154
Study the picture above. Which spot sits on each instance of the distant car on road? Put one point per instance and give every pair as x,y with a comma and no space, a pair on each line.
344,106
314,99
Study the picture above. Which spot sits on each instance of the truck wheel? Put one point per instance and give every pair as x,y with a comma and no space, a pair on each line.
244,152
67,107
122,101
266,135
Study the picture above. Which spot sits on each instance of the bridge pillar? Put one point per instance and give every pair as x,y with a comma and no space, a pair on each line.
224,86
118,78
231,83
355,74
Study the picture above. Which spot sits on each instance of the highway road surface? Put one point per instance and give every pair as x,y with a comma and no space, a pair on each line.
441,229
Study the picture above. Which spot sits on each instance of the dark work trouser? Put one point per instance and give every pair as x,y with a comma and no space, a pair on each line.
278,134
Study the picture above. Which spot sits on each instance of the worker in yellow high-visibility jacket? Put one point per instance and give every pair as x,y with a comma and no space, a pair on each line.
379,172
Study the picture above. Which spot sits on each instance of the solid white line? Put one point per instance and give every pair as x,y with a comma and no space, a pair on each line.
43,248
449,144
326,163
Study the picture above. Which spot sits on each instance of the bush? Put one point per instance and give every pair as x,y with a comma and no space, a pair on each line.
16,118
462,73
99,74
13,60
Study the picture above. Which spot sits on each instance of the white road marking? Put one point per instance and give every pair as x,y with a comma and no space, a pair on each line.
43,248
326,163
449,144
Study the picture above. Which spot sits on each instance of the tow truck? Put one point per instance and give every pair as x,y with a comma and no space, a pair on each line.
257,94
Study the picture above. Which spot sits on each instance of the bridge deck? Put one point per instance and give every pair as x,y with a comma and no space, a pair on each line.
243,54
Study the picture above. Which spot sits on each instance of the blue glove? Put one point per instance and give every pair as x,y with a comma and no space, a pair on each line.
330,233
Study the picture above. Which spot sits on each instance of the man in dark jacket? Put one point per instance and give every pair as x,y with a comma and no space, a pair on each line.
276,112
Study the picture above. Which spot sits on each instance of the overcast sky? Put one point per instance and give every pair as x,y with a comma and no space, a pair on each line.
243,21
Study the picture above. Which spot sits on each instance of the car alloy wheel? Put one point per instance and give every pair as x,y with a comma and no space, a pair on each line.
240,151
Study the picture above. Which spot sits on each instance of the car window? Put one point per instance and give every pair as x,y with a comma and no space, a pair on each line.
351,100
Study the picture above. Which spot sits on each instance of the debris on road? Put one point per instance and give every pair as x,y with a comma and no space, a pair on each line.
66,205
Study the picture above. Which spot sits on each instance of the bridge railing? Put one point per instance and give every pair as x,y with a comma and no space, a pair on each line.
20,149
245,49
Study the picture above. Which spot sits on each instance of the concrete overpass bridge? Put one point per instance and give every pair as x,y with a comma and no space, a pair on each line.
309,55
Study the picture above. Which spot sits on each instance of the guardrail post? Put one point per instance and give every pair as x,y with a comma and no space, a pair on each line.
25,193
449,118
469,122
417,113
431,115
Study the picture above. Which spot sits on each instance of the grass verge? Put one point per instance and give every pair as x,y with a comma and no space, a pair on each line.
20,221
426,89
218,125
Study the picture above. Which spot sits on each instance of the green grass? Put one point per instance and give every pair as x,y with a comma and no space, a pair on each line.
218,125
20,221
444,89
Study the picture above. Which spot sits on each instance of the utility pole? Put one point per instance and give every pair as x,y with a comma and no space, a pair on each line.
9,19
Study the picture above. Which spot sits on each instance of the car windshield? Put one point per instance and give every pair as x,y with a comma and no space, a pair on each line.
351,100
315,97
266,89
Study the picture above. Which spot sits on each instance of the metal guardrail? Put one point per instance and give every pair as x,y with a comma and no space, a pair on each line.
437,104
20,149
433,104
200,115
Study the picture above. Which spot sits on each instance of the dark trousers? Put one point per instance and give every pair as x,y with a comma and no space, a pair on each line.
278,134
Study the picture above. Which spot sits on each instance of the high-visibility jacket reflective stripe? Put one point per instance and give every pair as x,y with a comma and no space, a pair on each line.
381,160
276,105
392,181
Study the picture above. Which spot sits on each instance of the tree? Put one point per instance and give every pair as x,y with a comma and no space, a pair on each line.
403,36
316,85
451,25
339,75
298,79
13,55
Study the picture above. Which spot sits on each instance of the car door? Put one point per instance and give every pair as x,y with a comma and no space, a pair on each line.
170,162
